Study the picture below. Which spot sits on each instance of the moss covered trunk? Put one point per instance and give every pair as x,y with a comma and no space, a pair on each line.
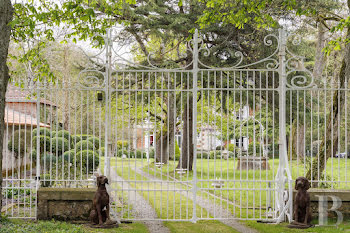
165,147
329,143
186,158
6,12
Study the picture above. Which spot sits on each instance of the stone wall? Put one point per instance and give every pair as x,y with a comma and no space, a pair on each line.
65,203
344,196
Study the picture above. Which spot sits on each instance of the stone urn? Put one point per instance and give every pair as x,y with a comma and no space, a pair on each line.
253,163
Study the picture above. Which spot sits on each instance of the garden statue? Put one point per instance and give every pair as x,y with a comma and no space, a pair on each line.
100,205
302,213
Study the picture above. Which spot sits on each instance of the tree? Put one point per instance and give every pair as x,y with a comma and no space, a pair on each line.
6,12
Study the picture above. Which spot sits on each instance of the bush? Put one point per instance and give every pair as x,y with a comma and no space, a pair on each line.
44,142
258,148
47,158
59,145
101,151
203,154
177,151
231,147
81,137
43,131
32,156
69,156
220,148
140,154
20,142
151,153
122,144
63,134
95,141
88,160
84,145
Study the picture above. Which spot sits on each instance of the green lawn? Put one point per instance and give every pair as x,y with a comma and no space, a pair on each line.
16,225
282,228
168,204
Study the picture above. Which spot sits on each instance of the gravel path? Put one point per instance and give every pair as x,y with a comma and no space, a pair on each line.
141,208
217,211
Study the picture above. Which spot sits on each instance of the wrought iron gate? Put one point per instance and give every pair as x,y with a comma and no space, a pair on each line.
146,123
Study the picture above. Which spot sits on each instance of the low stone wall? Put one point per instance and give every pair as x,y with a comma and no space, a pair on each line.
343,195
65,203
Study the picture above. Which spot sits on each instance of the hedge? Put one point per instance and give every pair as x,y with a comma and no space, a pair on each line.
44,142
84,145
81,137
20,142
43,131
231,147
122,144
59,145
47,158
69,156
258,148
95,141
63,134
87,159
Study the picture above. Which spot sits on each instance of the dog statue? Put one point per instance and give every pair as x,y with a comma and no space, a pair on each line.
302,213
100,204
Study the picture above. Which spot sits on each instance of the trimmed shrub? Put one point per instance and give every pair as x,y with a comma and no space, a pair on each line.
258,148
95,141
32,156
43,131
88,160
69,156
45,181
151,153
177,151
81,137
20,142
63,134
47,158
59,145
220,148
231,147
140,154
44,143
203,154
122,144
84,145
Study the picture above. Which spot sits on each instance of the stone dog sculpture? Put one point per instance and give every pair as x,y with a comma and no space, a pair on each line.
100,204
302,213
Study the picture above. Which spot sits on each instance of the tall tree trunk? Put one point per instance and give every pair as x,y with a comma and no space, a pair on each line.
186,159
320,59
165,147
6,12
331,137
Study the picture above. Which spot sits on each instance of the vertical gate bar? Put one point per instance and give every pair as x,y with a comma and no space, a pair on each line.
283,160
37,150
107,164
194,134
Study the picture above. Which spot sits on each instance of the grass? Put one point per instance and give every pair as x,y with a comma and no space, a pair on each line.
169,205
17,225
282,228
201,226
247,189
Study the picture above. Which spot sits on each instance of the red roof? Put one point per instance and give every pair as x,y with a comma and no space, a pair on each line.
16,94
13,117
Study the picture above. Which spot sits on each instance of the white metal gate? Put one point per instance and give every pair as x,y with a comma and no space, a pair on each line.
141,125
